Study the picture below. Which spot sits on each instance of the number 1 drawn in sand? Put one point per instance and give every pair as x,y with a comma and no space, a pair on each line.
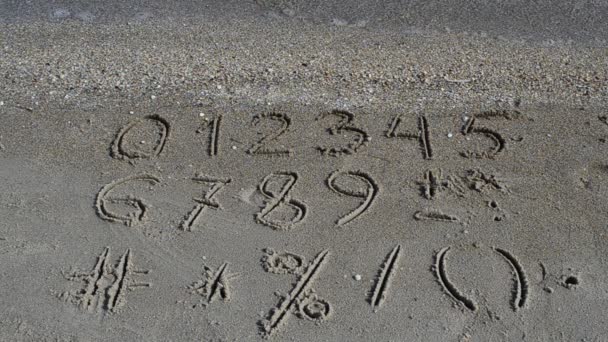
297,294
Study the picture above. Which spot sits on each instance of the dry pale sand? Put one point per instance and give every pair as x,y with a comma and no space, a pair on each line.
300,171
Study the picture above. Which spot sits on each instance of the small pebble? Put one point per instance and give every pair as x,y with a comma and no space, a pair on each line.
1,103
357,277
201,114
131,112
153,97
450,135
234,147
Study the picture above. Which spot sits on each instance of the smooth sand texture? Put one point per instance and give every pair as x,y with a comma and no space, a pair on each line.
273,176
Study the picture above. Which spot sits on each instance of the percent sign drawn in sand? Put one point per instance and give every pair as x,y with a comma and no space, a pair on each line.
301,299
368,194
216,184
280,199
521,287
104,200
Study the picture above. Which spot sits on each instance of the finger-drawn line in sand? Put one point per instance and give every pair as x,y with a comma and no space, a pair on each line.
342,126
260,146
282,263
448,286
299,297
387,271
133,217
214,135
214,284
423,136
500,114
106,285
282,198
368,195
434,215
122,148
207,201
520,294
435,183
499,142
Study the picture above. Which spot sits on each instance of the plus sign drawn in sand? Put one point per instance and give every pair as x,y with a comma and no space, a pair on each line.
106,285
301,299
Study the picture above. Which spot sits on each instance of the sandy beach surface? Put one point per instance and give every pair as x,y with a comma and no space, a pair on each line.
303,171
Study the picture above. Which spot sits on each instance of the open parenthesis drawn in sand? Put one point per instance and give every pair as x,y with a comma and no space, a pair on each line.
277,200
301,298
120,148
423,135
448,286
387,271
260,146
132,218
344,125
203,203
368,195
520,293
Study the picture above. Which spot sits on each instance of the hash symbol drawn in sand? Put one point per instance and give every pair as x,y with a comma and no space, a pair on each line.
280,199
302,300
141,138
216,184
423,136
106,285
214,284
387,271
521,288
282,263
104,201
260,146
368,194
342,127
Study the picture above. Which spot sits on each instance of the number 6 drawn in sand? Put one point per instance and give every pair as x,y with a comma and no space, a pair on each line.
368,195
280,199
129,219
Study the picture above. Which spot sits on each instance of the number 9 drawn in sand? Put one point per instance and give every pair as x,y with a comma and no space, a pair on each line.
128,145
368,195
131,218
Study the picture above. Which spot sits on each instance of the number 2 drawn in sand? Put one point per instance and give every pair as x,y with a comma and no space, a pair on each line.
368,194
280,199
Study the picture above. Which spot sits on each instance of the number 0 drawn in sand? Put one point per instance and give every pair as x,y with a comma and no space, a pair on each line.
280,199
520,292
368,194
141,138
131,218
300,299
